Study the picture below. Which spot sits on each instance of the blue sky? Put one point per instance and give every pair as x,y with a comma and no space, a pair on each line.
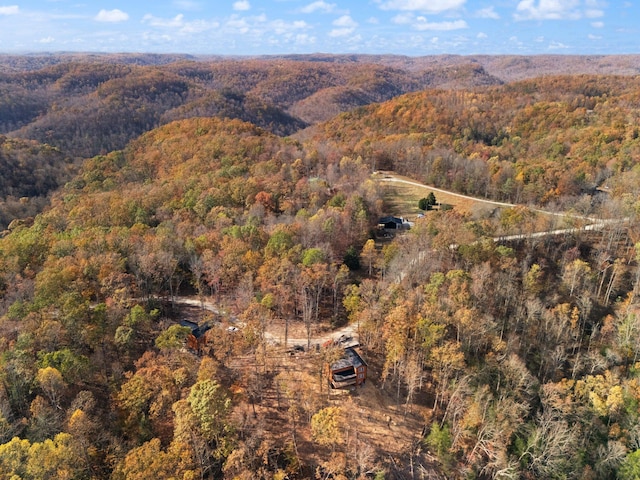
252,27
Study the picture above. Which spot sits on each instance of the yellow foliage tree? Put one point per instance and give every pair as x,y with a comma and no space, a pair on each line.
326,427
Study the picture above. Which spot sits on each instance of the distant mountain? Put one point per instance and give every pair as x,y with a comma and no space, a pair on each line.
38,61
506,68
82,105
87,104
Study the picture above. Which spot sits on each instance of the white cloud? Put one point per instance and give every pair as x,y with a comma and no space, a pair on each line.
594,37
557,46
340,32
514,40
178,23
112,16
422,24
594,13
345,21
346,26
482,35
597,24
238,25
46,40
305,39
242,5
281,27
198,26
548,10
423,6
403,18
10,10
373,21
319,6
488,12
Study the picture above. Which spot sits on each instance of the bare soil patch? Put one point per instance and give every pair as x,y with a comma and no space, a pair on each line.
375,421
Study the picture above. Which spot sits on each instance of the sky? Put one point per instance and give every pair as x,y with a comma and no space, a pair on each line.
270,27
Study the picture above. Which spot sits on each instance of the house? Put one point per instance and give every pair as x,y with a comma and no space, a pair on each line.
390,223
351,369
393,223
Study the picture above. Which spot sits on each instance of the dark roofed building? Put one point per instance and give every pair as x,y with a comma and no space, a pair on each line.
196,330
390,223
351,369
197,340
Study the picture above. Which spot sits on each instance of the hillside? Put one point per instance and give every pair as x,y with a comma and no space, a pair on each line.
30,173
175,309
88,107
536,141
215,207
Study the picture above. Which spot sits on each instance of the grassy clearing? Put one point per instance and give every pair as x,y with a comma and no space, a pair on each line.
401,200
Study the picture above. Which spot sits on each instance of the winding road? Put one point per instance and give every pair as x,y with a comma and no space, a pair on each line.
277,338
392,177
592,222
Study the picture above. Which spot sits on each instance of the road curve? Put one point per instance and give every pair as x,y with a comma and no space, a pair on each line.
392,177
272,337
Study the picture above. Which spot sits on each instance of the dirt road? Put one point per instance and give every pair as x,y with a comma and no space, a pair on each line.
273,335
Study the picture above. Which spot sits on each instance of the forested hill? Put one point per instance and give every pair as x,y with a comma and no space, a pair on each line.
491,352
30,172
532,141
87,108
217,207
488,358
91,104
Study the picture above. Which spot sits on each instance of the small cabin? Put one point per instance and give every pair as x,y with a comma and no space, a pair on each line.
351,369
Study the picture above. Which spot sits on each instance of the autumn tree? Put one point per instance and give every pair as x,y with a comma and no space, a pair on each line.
326,427
369,254
150,459
202,423
52,384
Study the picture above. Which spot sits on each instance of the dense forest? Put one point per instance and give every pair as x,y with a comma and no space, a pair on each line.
244,197
30,172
